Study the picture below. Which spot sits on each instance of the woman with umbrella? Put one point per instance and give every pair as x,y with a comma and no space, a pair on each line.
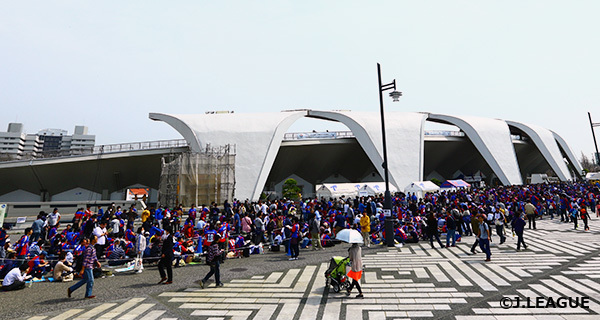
355,255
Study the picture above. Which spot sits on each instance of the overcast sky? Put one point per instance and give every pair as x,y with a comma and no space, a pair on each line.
107,64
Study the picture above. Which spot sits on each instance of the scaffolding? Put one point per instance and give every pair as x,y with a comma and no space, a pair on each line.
198,178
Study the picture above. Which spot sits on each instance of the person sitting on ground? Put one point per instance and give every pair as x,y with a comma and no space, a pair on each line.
15,279
63,270
117,256
326,240
38,266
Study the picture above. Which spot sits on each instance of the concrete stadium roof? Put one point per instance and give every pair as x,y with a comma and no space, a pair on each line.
258,138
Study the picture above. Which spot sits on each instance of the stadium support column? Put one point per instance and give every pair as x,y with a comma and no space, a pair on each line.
387,203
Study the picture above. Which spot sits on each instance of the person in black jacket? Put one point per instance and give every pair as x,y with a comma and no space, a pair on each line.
432,229
166,258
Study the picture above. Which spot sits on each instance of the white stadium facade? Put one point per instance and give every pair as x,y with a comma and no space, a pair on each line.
502,152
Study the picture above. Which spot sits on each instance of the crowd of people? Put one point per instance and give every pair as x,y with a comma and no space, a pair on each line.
176,236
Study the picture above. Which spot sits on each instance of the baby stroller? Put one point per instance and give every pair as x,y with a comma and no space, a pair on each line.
336,274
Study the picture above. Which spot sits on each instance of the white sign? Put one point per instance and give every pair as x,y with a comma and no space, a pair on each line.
2,213
21,220
387,212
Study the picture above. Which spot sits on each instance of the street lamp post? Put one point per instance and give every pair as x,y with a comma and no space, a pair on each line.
592,125
387,202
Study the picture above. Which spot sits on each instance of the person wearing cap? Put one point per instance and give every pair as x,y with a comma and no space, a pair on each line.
38,265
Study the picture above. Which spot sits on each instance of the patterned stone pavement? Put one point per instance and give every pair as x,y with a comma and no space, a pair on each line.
412,282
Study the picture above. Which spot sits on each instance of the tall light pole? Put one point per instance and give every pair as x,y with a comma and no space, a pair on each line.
387,202
592,125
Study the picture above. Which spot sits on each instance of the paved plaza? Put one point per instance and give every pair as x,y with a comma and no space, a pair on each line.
413,282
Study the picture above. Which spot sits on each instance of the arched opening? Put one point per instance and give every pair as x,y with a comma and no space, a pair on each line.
316,151
450,154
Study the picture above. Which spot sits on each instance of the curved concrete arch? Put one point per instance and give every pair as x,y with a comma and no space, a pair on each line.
404,133
257,137
186,132
545,141
492,139
563,144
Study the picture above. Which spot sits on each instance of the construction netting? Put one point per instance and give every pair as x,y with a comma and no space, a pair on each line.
198,178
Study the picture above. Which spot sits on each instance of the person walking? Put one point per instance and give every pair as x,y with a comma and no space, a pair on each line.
574,213
355,255
519,226
475,229
484,237
90,261
432,230
585,215
499,223
166,258
213,259
530,211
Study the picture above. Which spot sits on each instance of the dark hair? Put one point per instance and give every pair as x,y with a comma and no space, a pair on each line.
169,229
23,267
27,230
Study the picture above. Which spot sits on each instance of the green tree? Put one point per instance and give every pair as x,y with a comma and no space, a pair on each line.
291,190
436,181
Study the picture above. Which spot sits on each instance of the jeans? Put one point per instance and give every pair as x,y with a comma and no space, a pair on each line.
35,236
475,244
295,249
450,235
484,244
500,232
88,280
214,269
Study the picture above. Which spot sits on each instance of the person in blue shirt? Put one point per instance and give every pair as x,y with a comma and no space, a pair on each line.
3,237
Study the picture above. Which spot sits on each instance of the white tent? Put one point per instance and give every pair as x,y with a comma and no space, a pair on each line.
592,176
421,187
374,188
336,190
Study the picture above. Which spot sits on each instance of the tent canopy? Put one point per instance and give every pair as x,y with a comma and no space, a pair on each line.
421,187
449,184
336,190
592,176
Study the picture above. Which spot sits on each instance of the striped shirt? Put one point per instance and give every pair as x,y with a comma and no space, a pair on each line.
89,257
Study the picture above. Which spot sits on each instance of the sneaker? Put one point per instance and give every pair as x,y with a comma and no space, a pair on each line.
139,271
296,258
162,280
488,260
202,283
219,285
359,296
168,282
90,297
290,259
69,292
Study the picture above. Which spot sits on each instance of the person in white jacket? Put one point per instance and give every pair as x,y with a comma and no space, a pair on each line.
140,247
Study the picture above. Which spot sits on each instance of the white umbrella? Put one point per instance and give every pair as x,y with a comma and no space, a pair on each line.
350,236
